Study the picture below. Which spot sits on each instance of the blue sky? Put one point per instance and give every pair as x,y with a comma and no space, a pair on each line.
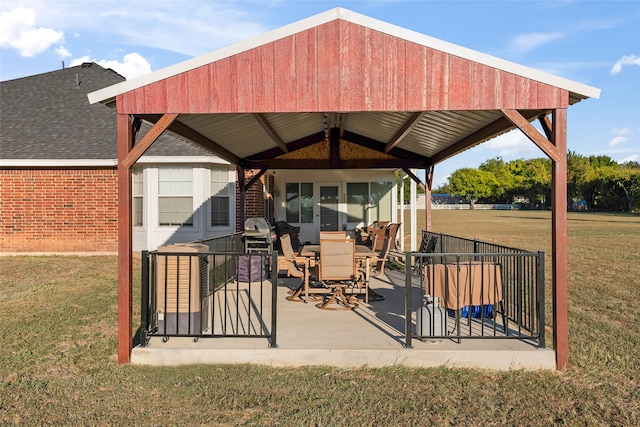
593,42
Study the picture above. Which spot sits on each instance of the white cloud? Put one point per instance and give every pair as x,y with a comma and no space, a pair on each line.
191,28
18,31
62,52
619,136
617,140
133,65
183,26
528,42
511,145
622,131
625,60
631,158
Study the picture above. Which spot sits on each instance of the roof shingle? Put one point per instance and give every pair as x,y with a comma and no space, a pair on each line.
48,116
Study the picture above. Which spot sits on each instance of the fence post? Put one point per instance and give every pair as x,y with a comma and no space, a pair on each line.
541,308
144,299
274,299
407,299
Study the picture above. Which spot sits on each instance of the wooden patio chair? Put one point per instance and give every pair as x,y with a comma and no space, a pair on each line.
377,236
381,258
379,224
338,271
295,268
392,233
333,235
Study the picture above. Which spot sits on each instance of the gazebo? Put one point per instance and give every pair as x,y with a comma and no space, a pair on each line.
354,84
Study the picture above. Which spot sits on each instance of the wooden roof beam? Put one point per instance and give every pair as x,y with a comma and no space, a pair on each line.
292,146
162,124
206,143
405,130
532,133
343,122
415,178
546,125
261,119
184,131
495,128
254,179
336,164
380,146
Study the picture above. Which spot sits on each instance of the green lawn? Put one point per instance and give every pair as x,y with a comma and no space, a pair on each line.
58,364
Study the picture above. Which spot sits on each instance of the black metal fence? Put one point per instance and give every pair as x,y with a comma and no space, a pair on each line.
474,289
208,289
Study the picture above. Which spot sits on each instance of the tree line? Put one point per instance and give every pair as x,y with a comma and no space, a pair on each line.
596,183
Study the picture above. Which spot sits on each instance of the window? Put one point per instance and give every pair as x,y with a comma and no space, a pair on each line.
175,195
368,202
220,195
138,199
357,201
299,203
381,201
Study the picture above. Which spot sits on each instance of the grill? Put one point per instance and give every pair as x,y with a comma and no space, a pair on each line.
258,235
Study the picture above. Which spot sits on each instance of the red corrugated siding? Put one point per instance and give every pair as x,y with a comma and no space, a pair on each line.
341,66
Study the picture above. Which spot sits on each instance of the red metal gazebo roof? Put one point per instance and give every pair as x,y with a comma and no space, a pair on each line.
371,79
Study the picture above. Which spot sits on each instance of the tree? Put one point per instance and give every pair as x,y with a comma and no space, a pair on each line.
577,176
472,184
627,177
505,180
536,181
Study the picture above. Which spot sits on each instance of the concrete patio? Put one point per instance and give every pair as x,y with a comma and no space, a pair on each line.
372,336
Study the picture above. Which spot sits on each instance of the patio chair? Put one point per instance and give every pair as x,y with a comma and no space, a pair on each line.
333,235
379,224
427,246
338,271
376,237
381,257
295,268
392,232
366,235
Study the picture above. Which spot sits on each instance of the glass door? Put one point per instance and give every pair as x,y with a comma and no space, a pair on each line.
329,203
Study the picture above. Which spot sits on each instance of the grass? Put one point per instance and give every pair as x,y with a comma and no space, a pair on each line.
58,364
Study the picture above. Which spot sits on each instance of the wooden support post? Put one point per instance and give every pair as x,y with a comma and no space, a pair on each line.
125,258
428,174
559,241
241,202
413,216
401,219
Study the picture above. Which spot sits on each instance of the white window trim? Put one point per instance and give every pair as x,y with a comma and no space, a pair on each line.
196,199
145,200
231,178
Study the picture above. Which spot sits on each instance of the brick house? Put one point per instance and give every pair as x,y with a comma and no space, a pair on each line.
58,181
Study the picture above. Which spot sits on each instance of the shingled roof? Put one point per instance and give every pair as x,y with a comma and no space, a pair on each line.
48,117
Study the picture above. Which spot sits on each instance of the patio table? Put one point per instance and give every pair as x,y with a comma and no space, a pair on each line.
312,252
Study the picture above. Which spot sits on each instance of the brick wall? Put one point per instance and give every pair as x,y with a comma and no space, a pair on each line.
254,199
58,210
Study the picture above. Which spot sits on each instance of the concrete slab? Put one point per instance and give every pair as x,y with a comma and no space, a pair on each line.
372,335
